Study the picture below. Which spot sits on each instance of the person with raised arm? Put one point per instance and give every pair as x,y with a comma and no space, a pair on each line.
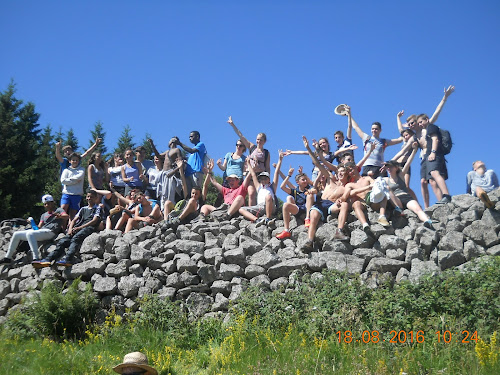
72,180
262,212
299,200
195,161
234,195
322,148
259,156
147,212
328,202
345,144
68,150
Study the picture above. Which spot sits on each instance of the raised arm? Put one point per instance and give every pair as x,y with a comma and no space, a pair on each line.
222,166
447,92
315,161
406,168
155,150
367,155
358,130
245,141
403,151
286,180
186,148
58,152
282,175
349,122
398,119
210,176
290,152
92,148
276,178
251,171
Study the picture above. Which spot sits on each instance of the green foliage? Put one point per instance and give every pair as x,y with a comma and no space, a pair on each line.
145,143
54,313
71,140
125,141
98,132
212,192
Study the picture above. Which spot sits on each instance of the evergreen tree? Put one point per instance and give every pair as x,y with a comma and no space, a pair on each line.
98,132
147,146
20,183
47,164
125,141
71,140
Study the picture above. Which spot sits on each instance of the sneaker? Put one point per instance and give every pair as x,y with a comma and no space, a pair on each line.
261,221
486,200
308,246
444,200
284,235
5,261
339,235
272,223
41,263
64,262
428,225
307,223
398,212
382,220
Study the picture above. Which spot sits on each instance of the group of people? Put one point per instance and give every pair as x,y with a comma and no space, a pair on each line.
135,191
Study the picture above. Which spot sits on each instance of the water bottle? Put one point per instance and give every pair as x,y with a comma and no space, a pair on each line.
33,224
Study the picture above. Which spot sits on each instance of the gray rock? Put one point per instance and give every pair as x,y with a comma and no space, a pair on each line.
318,260
249,245
367,255
452,241
128,286
228,271
402,275
188,278
132,237
198,304
207,272
211,241
463,201
190,247
105,285
92,245
221,303
360,239
139,255
286,253
481,234
221,287
284,268
236,256
174,281
136,269
420,268
121,249
230,242
383,265
191,236
26,285
167,293
397,254
374,279
468,217
494,250
158,248
211,254
337,246
473,250
448,259
261,281
4,288
4,306
253,270
348,263
279,283
228,229
386,242
118,270
264,258
186,265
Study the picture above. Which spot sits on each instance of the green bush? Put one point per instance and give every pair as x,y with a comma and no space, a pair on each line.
55,313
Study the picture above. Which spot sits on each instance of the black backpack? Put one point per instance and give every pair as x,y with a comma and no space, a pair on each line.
446,142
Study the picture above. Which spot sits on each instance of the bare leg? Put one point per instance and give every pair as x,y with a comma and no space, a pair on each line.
425,191
309,204
206,209
315,217
358,210
131,224
269,206
236,205
247,215
167,207
415,207
441,183
252,195
289,208
189,209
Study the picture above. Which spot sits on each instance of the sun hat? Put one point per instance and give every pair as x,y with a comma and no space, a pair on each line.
263,174
232,176
47,198
340,110
138,360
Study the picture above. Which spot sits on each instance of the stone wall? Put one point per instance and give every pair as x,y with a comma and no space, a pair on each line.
209,264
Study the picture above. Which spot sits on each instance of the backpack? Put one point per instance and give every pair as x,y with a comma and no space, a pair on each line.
446,142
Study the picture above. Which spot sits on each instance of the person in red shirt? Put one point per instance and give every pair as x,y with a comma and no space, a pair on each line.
234,196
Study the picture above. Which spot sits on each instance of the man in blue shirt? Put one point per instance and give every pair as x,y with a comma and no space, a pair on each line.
195,162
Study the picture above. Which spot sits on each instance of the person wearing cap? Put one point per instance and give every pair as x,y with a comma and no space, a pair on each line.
234,195
265,197
51,224
83,225
397,185
135,363
480,181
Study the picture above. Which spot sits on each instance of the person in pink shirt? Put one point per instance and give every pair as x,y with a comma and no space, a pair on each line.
234,196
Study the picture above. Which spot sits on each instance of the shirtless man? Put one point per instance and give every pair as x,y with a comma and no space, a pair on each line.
331,201
356,192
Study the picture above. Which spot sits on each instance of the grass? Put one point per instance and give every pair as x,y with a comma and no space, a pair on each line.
331,326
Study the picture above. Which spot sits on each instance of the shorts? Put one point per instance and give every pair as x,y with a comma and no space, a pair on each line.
257,210
405,198
374,169
72,200
302,209
438,164
323,207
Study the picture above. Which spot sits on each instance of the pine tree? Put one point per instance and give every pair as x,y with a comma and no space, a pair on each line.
71,140
47,164
147,146
20,182
125,141
98,132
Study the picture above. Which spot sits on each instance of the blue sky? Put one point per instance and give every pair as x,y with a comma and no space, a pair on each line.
279,67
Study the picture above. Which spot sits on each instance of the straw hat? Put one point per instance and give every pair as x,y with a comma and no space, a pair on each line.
135,360
340,110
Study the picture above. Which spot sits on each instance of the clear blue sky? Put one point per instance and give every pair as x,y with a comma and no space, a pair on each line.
280,67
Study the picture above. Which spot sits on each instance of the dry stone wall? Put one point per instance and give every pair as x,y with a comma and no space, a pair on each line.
209,264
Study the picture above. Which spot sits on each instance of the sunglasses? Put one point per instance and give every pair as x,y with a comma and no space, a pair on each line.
239,145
